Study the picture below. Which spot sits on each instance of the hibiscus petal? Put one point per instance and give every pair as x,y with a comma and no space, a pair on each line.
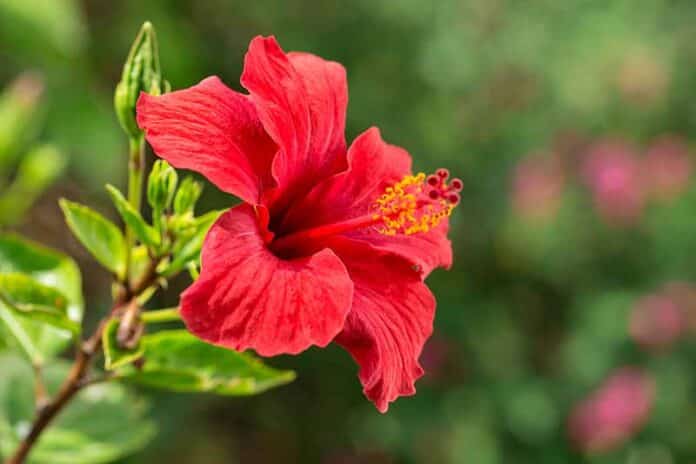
327,97
391,318
373,166
211,129
246,297
426,251
302,101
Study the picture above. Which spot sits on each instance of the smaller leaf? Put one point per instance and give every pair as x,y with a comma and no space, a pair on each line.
133,219
99,235
176,360
27,297
114,355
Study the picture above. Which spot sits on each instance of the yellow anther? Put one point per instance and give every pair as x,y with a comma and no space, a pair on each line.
408,208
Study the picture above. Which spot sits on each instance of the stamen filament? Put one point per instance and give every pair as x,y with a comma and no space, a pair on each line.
415,204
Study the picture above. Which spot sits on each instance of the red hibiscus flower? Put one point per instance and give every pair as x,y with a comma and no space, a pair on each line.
330,243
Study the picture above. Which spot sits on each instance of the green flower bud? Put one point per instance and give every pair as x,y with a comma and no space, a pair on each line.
161,185
187,196
141,73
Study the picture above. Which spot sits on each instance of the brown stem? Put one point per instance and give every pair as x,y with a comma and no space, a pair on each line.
131,328
68,389
40,391
149,277
77,377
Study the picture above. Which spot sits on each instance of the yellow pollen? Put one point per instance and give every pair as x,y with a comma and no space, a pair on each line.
410,206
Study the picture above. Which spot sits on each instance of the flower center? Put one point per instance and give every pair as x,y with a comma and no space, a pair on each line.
415,204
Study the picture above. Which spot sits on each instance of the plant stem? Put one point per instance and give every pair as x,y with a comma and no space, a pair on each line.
136,166
78,375
71,385
77,379
161,315
40,391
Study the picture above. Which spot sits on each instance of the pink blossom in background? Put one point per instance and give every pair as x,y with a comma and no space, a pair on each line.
684,294
613,173
667,167
612,414
657,321
537,188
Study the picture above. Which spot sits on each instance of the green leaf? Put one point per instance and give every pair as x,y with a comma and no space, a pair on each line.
104,423
190,249
99,235
51,269
176,360
133,219
114,355
47,266
28,298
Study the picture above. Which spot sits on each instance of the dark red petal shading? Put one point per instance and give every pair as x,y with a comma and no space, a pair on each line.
373,166
211,129
302,101
248,298
391,318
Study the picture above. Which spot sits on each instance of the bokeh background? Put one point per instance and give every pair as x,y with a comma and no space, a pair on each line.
565,330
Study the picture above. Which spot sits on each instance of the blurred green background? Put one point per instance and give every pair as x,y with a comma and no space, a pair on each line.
572,124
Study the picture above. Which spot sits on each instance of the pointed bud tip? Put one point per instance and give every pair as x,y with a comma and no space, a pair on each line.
141,73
